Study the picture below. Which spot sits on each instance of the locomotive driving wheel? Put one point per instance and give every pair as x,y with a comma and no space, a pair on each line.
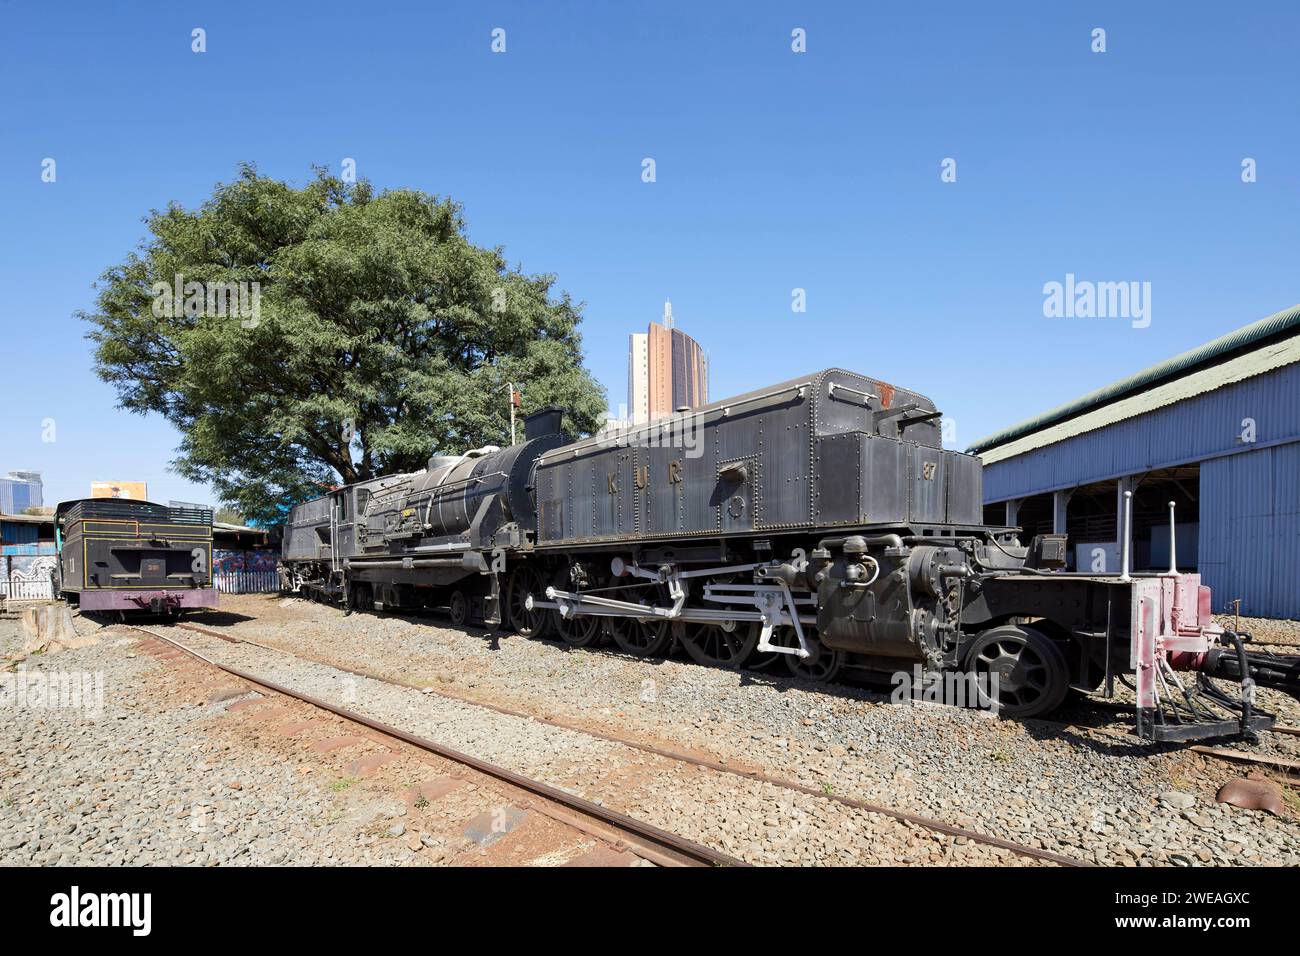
579,630
582,630
822,665
525,580
719,643
649,638
1032,676
458,608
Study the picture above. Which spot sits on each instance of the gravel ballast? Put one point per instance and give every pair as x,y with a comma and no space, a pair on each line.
1099,797
125,786
170,761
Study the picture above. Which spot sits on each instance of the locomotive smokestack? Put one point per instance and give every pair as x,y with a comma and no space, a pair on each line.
544,421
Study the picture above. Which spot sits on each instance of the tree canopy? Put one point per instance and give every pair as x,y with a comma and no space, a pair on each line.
301,336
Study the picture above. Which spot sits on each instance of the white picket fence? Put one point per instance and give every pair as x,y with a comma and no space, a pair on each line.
248,582
15,587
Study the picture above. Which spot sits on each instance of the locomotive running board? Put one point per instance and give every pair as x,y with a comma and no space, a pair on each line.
774,607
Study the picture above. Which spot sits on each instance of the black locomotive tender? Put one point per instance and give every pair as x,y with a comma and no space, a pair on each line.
120,555
818,522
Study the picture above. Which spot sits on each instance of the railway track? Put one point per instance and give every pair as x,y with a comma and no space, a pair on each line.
649,842
937,826
1286,769
1127,711
1275,647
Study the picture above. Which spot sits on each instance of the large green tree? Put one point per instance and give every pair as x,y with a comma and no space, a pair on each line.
376,335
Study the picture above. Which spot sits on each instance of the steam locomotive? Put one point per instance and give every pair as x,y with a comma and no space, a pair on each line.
817,524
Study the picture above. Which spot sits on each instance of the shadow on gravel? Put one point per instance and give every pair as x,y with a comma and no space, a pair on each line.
214,618
1106,746
217,618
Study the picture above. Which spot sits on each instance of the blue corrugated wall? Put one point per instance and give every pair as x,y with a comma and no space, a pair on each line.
1250,531
18,532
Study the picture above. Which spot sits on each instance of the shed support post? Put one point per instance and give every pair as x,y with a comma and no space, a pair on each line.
1122,486
1060,502
1013,511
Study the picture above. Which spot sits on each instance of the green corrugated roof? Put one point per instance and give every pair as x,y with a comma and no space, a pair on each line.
1240,339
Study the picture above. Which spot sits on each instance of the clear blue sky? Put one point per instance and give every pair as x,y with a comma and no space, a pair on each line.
775,171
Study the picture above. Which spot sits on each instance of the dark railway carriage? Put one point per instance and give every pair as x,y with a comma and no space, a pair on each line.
816,525
122,555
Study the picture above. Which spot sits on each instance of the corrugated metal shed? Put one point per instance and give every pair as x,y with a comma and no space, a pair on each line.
25,529
1234,342
1193,429
1264,359
18,532
1190,411
27,550
1250,531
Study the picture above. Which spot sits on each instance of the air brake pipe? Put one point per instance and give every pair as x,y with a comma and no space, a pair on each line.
416,563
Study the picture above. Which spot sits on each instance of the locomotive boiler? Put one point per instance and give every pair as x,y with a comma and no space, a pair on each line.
814,525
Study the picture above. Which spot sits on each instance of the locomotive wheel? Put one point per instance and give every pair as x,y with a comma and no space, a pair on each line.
764,661
580,631
361,596
639,638
1032,674
525,580
712,643
822,665
458,608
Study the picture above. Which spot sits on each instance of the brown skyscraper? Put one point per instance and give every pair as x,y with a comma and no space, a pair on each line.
666,370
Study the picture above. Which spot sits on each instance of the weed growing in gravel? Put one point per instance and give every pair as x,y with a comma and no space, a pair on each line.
828,789
341,784
1290,797
1000,756
421,803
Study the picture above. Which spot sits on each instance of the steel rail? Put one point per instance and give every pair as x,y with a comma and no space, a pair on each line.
1127,710
657,845
915,819
1281,764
